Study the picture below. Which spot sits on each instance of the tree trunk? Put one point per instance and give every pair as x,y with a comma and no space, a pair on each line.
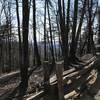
19,34
36,52
72,46
63,34
45,55
52,50
80,25
90,43
99,28
24,68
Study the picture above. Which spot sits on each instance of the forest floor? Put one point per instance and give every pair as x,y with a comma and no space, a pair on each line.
8,88
93,93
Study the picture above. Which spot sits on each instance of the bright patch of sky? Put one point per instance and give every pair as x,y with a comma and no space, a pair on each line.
39,16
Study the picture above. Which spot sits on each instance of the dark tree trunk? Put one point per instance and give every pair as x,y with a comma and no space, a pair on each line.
19,34
9,41
24,68
80,25
60,44
45,55
1,55
72,46
67,25
52,50
68,16
63,34
36,52
90,43
99,27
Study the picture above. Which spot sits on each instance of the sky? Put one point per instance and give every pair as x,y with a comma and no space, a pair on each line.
39,14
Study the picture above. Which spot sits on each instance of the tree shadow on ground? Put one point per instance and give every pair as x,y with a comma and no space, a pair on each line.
10,95
13,94
93,93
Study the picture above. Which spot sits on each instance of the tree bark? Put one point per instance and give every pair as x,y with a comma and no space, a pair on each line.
72,46
24,68
63,35
36,52
19,34
80,25
52,49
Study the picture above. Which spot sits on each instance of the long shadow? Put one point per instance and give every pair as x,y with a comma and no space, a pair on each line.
14,94
17,93
10,95
95,88
92,92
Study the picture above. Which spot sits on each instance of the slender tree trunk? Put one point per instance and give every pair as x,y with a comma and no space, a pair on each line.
9,36
45,55
72,46
80,25
68,17
63,34
52,50
1,55
60,44
34,34
72,52
56,56
67,24
99,27
90,43
19,34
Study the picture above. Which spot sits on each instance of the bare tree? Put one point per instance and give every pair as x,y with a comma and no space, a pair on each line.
25,28
72,46
19,34
90,43
63,33
36,52
52,50
80,24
